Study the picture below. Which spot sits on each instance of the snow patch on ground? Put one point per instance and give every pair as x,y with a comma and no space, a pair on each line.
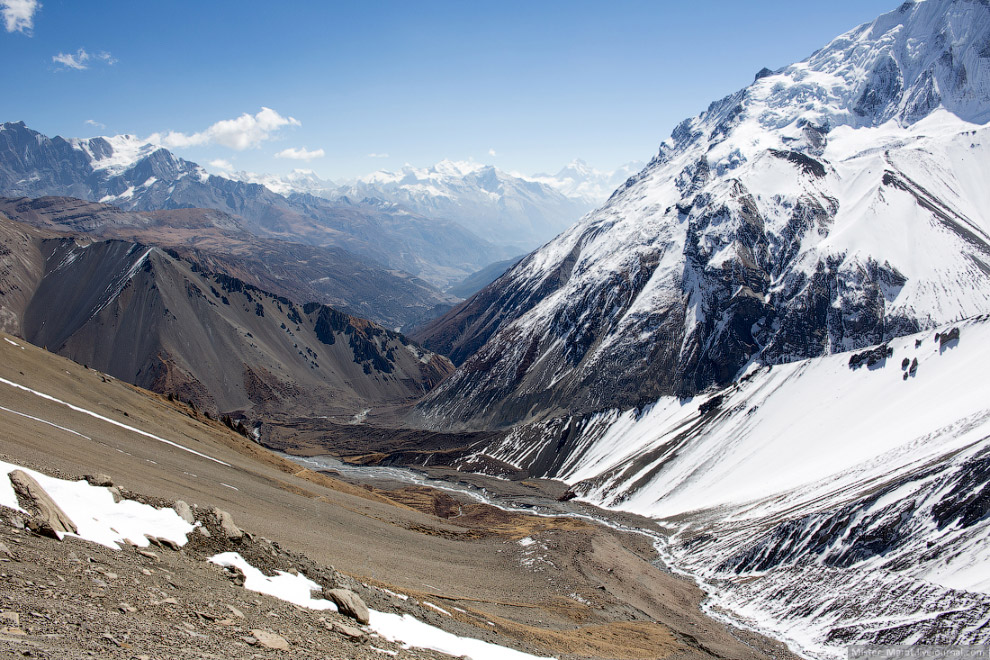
296,589
402,629
98,518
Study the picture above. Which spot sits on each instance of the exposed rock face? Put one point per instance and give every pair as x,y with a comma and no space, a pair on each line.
42,507
350,604
786,221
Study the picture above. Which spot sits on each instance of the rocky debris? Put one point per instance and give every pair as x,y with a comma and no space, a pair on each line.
349,604
49,519
184,511
235,574
945,337
226,523
100,480
117,496
870,357
167,544
269,640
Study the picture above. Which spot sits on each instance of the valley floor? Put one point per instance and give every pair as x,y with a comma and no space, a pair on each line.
549,586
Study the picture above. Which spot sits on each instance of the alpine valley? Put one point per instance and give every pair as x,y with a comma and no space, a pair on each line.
729,403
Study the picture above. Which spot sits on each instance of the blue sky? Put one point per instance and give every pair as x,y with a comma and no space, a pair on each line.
527,86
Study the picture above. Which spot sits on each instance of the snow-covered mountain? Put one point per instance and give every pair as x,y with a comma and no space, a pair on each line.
830,205
296,181
506,209
831,501
510,209
139,176
579,180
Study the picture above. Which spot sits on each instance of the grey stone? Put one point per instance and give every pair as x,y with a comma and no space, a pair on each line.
350,604
184,511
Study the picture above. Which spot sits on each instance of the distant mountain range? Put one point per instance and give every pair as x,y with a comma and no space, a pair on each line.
511,210
135,176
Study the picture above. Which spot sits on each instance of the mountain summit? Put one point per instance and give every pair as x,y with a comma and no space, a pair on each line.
830,205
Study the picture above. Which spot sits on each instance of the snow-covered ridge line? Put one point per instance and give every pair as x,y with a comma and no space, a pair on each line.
111,421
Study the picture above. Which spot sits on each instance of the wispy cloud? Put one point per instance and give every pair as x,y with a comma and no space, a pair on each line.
95,124
491,152
240,133
222,164
300,154
81,59
18,15
377,155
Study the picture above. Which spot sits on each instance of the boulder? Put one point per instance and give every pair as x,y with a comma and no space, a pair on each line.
226,523
49,518
184,511
101,480
350,604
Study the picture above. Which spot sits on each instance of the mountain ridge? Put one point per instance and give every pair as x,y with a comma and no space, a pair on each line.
820,209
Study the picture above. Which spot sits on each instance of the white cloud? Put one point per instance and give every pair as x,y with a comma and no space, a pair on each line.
222,164
241,133
81,58
18,15
300,153
491,152
95,124
377,155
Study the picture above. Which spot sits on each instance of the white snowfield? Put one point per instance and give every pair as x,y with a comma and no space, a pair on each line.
97,517
847,490
402,629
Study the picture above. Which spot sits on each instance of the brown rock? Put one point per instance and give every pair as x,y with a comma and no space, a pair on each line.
348,631
101,480
226,523
350,604
33,498
270,640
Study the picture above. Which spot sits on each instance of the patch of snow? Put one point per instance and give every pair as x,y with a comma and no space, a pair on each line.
296,589
13,343
411,632
436,608
97,517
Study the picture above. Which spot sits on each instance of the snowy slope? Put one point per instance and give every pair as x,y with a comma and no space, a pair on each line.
831,205
810,493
